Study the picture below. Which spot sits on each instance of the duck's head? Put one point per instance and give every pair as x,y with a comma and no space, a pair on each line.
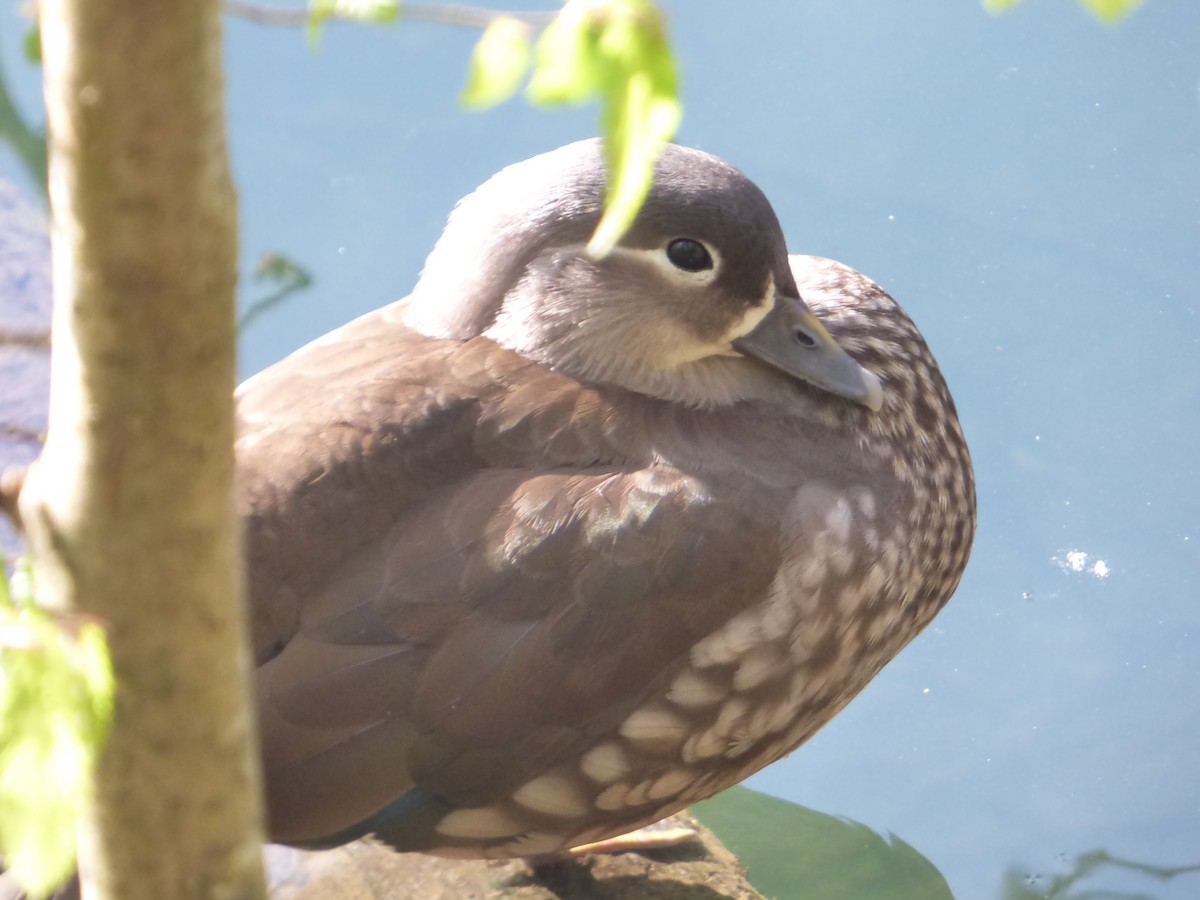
696,304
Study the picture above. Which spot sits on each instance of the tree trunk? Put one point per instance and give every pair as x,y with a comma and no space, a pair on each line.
130,508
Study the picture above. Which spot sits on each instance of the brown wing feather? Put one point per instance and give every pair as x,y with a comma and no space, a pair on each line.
471,625
505,622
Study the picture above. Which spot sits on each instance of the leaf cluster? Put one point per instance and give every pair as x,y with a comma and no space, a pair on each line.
1108,11
370,12
56,693
614,50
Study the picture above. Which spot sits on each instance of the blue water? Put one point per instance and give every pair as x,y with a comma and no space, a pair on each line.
1029,187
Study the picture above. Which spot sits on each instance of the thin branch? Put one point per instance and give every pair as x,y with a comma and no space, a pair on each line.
36,340
21,434
288,276
456,14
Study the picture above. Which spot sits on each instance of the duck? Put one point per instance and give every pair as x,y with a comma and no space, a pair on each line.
560,544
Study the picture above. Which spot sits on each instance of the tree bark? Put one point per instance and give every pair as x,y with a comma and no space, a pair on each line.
129,510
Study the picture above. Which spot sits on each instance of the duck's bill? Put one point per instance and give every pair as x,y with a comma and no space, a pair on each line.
790,338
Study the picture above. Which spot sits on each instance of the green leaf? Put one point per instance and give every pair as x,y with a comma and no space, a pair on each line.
373,12
33,45
567,66
499,62
790,851
641,113
1108,11
617,50
1111,11
56,690
318,12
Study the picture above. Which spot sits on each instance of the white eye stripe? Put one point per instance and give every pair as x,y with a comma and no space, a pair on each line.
659,259
755,314
743,326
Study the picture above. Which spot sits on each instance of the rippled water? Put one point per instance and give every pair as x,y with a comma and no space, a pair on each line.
1029,187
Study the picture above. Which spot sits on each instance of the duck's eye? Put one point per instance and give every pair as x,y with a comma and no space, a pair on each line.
689,255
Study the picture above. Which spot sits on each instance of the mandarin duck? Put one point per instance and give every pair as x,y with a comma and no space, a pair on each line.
558,545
